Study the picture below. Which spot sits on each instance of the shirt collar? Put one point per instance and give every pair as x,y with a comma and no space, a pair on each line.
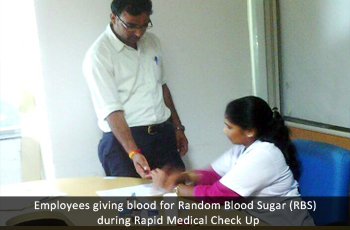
119,45
245,150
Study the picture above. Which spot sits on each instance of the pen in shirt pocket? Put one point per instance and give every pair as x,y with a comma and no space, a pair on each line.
156,59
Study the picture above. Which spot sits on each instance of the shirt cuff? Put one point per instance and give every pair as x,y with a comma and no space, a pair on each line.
106,111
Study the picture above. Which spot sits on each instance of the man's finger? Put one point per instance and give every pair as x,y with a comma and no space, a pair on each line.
140,170
184,149
178,145
144,168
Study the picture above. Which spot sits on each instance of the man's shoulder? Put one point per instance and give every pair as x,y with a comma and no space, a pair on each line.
101,42
152,39
150,36
101,47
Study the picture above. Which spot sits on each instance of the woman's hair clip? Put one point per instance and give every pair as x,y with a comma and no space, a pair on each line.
274,109
274,112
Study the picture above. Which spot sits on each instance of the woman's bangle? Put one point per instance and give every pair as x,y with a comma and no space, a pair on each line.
133,152
177,190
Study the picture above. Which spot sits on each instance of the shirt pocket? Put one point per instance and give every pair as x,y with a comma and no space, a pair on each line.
157,68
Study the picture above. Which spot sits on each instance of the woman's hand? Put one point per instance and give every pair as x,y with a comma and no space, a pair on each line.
163,180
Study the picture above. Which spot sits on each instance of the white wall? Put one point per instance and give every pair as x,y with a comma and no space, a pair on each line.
207,62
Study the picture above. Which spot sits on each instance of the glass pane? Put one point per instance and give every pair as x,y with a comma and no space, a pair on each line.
315,60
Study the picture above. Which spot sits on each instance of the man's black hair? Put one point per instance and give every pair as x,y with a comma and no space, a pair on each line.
133,7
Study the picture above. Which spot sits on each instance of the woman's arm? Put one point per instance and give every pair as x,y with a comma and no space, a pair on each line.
198,177
215,193
177,180
169,179
206,177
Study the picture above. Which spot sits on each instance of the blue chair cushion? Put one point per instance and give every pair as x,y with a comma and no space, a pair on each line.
325,172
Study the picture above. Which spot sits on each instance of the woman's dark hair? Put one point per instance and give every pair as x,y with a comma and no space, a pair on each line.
133,7
254,112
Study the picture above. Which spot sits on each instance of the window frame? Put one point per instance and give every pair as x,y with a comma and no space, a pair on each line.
270,36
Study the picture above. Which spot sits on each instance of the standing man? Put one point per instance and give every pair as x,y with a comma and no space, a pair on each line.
123,68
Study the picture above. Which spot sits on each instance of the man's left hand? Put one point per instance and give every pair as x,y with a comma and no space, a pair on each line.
182,143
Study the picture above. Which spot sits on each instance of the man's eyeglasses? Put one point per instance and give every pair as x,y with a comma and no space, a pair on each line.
133,28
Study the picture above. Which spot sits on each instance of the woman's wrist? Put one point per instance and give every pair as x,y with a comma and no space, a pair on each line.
177,189
183,190
188,177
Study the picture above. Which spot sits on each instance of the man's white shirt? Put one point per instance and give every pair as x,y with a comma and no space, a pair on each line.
121,78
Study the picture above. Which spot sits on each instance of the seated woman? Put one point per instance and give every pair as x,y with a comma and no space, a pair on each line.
260,163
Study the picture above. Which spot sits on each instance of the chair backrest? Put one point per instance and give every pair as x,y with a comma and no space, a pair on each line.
325,178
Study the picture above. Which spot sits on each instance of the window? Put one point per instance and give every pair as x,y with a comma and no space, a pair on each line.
307,62
314,62
22,110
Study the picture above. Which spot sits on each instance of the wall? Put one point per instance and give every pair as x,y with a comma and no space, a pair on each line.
207,62
322,137
206,52
10,164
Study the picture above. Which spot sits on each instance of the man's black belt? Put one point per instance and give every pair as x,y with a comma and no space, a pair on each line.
154,129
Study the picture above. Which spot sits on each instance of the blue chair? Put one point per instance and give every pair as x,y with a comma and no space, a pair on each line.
325,178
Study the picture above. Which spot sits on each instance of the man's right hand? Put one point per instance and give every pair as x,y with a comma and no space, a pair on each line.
141,165
122,132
